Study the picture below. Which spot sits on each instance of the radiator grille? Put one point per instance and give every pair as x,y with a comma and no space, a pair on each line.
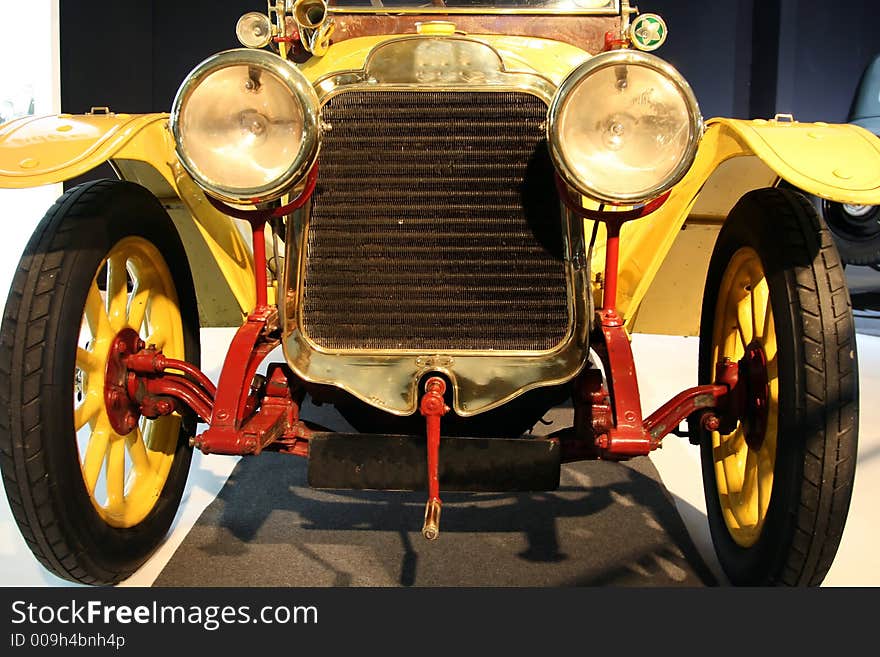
435,225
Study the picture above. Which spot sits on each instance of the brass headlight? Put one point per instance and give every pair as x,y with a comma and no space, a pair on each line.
624,127
254,30
246,127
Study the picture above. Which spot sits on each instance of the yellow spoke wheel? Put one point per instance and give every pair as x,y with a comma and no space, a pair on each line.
98,489
745,332
125,470
778,477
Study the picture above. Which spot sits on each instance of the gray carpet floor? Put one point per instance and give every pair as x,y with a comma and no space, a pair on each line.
608,524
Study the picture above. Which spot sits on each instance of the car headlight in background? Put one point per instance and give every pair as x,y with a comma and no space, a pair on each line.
254,30
246,127
624,127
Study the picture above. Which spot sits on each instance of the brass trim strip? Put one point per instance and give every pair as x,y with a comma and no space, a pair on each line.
611,9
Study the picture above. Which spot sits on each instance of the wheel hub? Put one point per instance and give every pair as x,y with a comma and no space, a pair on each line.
857,211
853,222
753,372
122,411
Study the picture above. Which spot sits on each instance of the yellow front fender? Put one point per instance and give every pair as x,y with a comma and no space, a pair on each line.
837,162
51,149
664,259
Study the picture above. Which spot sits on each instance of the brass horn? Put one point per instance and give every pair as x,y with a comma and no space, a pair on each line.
315,27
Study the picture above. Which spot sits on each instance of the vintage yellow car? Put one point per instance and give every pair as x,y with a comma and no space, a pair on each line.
459,211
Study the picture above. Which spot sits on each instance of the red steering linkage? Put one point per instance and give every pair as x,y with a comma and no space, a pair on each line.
433,408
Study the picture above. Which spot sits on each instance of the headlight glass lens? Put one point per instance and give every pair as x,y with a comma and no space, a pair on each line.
243,128
246,130
624,127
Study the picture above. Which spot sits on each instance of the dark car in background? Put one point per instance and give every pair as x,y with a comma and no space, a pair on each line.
856,228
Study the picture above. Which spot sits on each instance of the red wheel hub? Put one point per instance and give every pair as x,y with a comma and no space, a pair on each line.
756,394
122,410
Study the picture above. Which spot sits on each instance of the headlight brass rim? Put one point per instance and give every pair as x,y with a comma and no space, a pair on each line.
593,65
302,91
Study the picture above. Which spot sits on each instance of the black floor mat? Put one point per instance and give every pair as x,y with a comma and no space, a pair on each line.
608,524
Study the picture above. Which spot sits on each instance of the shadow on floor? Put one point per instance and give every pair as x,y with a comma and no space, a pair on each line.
608,524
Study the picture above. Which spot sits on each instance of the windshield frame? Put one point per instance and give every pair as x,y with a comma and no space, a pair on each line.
612,9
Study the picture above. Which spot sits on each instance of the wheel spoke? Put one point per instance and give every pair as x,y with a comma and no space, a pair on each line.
729,446
764,480
96,450
724,450
137,307
156,338
743,342
744,320
769,338
96,315
140,458
115,474
740,503
117,291
750,484
86,411
87,361
760,304
772,367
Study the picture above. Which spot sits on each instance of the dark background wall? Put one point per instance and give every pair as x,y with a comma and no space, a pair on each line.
749,58
744,58
133,55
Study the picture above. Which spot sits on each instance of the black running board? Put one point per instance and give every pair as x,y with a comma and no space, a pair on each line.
383,462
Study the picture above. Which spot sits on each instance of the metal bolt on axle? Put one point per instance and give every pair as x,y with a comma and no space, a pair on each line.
711,422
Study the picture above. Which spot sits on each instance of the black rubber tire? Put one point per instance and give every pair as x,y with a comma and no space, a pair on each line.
38,452
818,391
857,241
